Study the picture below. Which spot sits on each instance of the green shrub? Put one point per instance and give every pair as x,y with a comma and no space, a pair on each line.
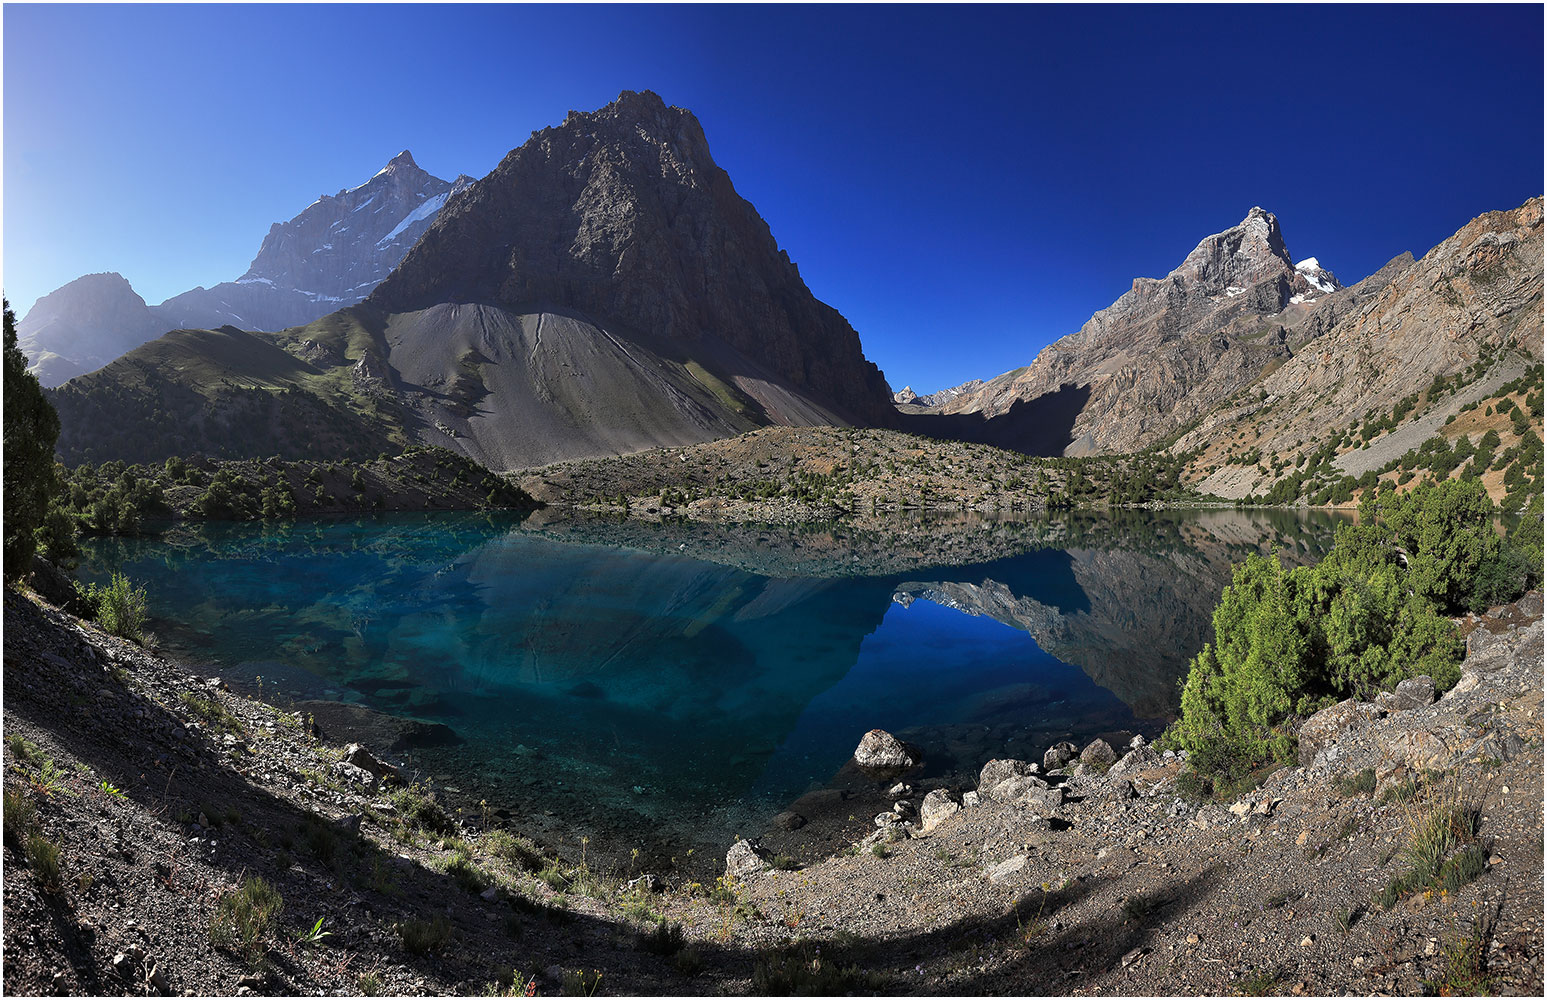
43,856
20,816
1370,614
120,607
664,939
245,918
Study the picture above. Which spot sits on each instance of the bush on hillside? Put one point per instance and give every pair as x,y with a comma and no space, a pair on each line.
1370,614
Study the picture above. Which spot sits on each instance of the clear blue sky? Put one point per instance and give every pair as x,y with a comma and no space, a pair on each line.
964,185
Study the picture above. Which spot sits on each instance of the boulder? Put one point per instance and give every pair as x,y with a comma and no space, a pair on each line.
1323,729
881,750
1415,692
1058,755
744,858
360,757
1099,754
1028,793
788,820
937,808
996,771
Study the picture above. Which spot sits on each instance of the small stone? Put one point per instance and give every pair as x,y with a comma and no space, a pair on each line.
1132,957
969,799
744,858
491,894
1193,938
1494,859
1307,941
1304,836
1058,755
1006,868
900,790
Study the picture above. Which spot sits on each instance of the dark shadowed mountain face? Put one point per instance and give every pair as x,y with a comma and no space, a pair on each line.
329,256
622,215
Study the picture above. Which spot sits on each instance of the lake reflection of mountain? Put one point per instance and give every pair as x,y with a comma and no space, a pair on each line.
689,680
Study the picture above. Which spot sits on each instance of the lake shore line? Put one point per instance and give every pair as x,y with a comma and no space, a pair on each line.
165,793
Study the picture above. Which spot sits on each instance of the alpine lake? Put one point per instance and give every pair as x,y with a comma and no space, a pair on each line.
610,686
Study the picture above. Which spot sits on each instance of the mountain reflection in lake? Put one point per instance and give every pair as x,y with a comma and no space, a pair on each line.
681,683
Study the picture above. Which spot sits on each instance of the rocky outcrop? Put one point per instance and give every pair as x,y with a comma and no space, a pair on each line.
1172,348
621,215
1479,293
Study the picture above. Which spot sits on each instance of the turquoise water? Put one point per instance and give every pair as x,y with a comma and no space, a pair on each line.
625,686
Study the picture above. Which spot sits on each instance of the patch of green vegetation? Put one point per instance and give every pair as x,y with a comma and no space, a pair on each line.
1372,613
1263,982
245,918
120,607
663,939
1464,971
21,817
420,937
1440,853
517,850
801,970
1361,783
211,711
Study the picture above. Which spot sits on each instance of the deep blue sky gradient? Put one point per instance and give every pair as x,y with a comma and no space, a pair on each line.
965,185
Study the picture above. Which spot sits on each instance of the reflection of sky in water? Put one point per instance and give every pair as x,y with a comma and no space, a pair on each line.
614,668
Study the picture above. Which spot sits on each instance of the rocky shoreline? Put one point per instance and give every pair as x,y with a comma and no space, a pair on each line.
164,793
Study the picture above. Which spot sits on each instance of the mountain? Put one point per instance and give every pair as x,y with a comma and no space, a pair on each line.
1418,342
1246,359
622,215
1170,348
92,320
602,291
330,255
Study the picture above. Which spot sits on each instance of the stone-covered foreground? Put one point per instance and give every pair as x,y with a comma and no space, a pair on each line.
1085,872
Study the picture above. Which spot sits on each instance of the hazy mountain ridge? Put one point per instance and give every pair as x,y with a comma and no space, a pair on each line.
328,256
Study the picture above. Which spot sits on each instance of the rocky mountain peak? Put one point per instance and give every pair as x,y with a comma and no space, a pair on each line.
1239,257
622,213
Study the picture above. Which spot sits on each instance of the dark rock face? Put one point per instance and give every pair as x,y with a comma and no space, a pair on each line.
330,256
83,325
622,214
